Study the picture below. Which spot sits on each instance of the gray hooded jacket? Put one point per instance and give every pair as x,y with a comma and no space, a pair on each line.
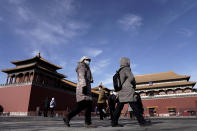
126,94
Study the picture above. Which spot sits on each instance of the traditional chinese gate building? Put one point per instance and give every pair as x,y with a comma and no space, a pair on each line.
30,82
167,94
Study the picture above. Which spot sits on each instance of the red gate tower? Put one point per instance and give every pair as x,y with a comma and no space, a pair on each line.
167,94
30,82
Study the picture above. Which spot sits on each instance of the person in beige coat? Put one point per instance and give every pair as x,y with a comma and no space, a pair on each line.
83,92
102,102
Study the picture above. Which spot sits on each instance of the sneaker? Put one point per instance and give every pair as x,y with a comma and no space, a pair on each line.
66,121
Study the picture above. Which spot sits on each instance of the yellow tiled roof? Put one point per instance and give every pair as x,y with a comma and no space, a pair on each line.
42,59
159,77
69,82
19,67
173,84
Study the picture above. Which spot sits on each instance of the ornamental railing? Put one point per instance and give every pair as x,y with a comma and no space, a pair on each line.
15,84
169,95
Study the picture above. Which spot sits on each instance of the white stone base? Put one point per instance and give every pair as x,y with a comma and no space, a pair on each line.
164,115
18,113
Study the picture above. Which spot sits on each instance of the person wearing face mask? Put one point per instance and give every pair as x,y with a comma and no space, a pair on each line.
83,92
102,102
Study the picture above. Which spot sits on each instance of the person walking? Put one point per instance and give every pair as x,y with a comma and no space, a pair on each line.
52,106
127,94
83,93
102,102
131,113
46,106
111,103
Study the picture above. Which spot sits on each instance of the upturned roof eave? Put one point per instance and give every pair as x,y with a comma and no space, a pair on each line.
162,76
167,79
18,68
36,57
163,85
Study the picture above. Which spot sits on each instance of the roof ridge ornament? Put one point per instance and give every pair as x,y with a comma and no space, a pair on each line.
39,54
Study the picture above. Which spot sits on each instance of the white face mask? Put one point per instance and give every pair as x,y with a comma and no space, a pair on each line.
87,62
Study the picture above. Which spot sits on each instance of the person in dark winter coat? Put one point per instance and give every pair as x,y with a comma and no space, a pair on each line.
111,103
46,106
139,103
127,94
83,92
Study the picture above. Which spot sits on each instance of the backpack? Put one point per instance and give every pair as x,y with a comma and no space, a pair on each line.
116,81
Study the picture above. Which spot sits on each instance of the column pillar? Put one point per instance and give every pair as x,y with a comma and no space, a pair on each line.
32,76
14,78
23,78
29,77
7,79
10,80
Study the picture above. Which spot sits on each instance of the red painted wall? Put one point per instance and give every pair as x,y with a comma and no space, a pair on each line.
162,105
15,99
63,99
180,104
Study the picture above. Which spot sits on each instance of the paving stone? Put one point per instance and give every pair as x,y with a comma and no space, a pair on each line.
77,124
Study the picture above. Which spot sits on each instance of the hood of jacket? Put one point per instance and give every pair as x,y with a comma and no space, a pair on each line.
124,62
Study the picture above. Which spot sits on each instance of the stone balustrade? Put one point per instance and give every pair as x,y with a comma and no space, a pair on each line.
15,84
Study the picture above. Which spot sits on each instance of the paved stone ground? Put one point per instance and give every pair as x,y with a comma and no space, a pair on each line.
56,124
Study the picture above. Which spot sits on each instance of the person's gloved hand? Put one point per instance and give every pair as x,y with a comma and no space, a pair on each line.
85,90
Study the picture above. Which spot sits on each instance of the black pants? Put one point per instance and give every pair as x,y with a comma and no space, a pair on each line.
45,112
132,115
52,112
84,104
136,111
111,109
101,113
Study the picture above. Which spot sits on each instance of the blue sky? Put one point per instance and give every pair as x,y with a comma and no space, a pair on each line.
157,35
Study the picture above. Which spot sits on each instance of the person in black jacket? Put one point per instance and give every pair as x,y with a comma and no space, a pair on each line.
139,103
111,103
46,106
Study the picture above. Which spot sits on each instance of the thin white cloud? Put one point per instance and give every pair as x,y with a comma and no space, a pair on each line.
108,80
133,65
92,52
35,53
39,30
100,65
175,15
130,22
24,14
185,32
105,79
